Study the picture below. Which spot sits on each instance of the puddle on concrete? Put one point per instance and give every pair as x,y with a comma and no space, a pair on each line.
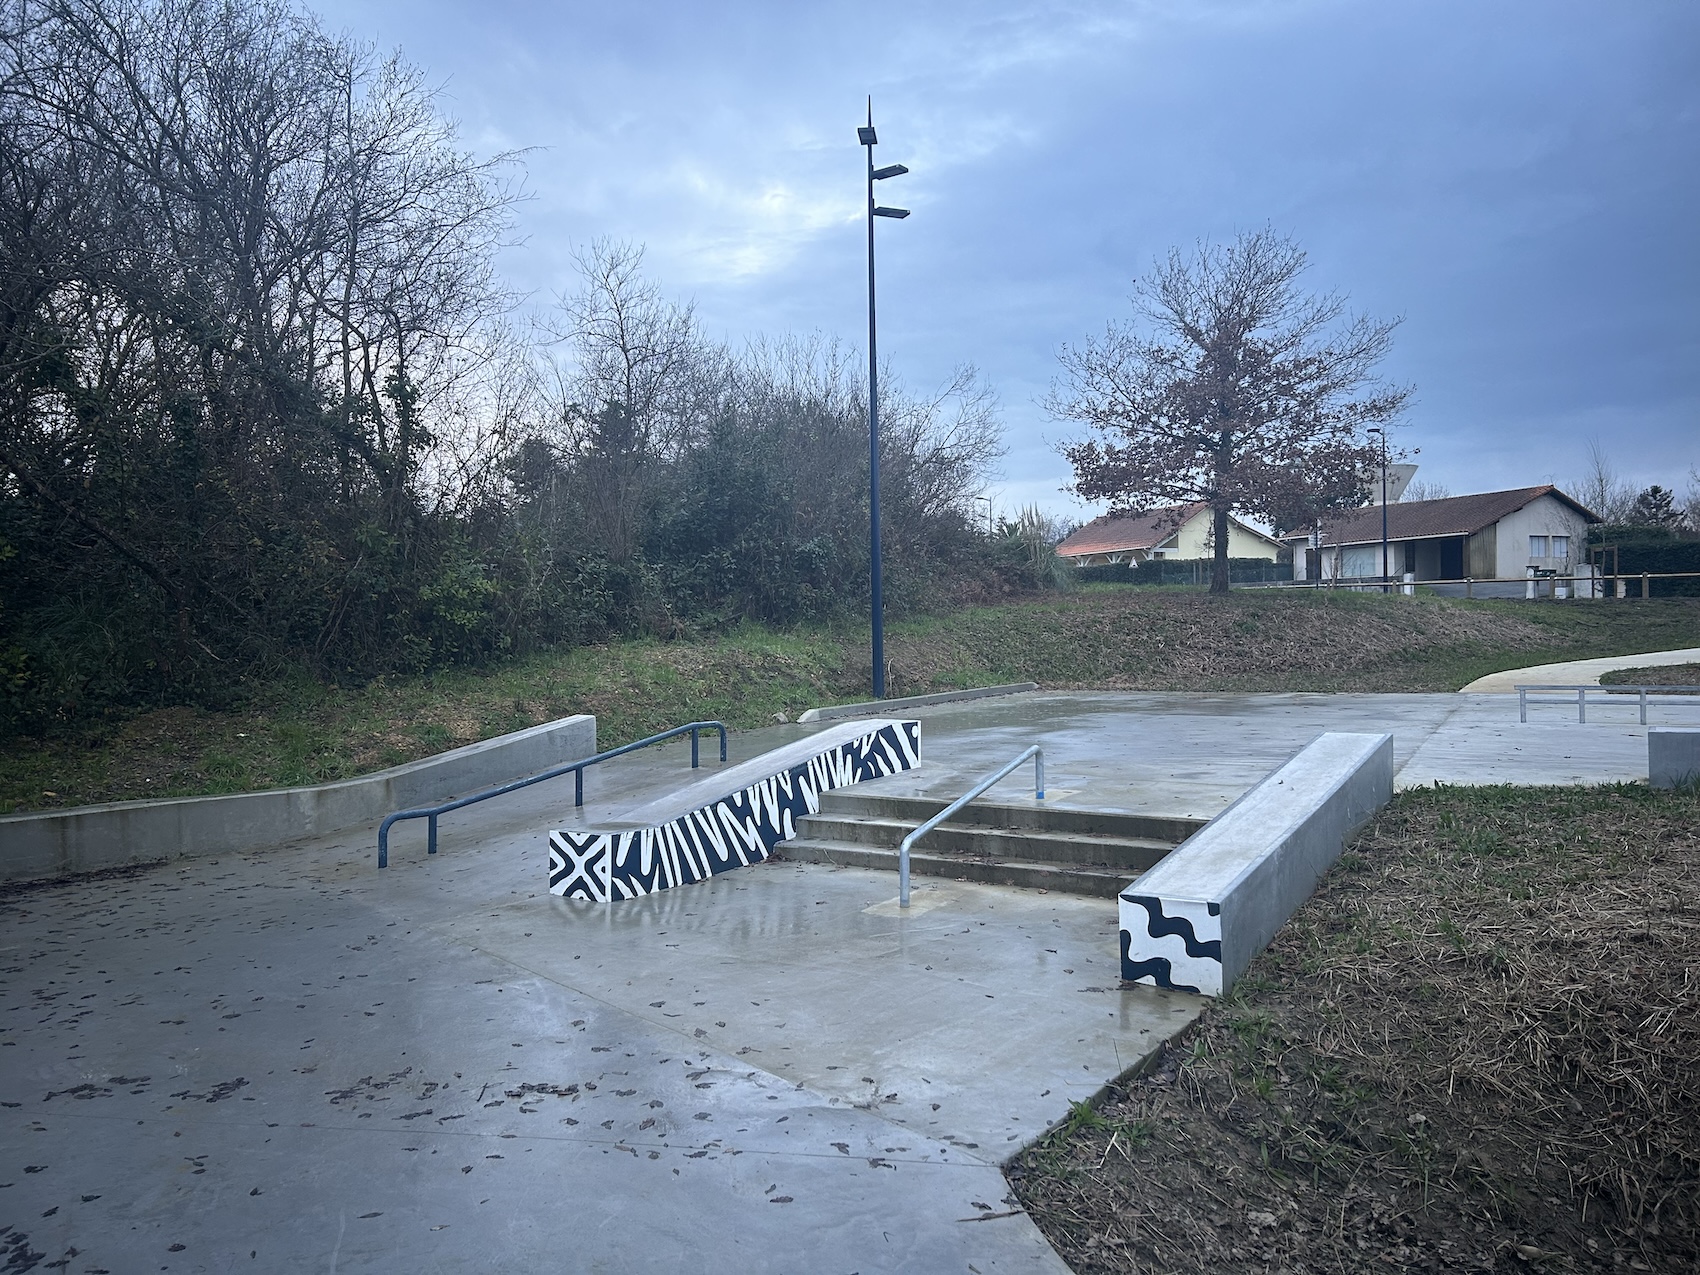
920,900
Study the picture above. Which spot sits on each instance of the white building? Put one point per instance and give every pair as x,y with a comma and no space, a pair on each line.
1494,535
1178,531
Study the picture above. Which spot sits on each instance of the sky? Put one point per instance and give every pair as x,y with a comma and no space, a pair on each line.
1517,181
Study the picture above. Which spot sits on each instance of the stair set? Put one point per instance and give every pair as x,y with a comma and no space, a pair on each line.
1090,852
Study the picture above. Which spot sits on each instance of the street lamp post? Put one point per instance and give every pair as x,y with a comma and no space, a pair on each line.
868,138
1386,574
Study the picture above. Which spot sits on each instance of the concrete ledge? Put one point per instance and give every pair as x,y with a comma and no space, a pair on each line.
1194,922
1673,756
727,820
876,706
88,838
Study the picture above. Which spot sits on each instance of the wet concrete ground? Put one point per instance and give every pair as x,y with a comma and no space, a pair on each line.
287,1060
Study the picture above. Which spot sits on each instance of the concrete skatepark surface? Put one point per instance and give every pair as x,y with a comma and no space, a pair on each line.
288,1054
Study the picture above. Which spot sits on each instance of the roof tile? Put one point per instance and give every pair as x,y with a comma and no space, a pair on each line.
1451,516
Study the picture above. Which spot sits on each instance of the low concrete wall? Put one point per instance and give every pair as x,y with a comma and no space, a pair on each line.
1194,922
1673,756
876,707
89,838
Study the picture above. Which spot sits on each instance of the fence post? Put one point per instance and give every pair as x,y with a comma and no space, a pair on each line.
1581,705
1523,704
1645,589
1470,587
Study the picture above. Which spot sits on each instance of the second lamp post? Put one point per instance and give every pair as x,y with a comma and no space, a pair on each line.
869,139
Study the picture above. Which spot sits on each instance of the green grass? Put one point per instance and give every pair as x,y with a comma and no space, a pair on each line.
300,731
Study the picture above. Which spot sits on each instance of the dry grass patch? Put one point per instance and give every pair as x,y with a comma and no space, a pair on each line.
1476,1048
1654,675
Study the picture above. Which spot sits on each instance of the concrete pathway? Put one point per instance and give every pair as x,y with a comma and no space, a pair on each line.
1579,672
286,1060
1194,754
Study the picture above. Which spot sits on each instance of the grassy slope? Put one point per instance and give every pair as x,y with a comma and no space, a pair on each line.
1476,1048
1107,638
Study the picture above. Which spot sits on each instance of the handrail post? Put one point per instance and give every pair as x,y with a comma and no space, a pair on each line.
1039,775
722,726
1581,705
578,786
1643,691
431,834
384,842
1523,704
693,748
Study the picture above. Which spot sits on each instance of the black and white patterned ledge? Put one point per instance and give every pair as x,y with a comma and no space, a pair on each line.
725,821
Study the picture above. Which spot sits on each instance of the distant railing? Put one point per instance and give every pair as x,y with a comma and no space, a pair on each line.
1581,692
577,768
1585,587
1038,756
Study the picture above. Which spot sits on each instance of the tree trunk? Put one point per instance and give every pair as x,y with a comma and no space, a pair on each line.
1219,560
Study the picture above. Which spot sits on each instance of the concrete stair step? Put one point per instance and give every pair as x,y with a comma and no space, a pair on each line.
1167,829
1097,882
1084,849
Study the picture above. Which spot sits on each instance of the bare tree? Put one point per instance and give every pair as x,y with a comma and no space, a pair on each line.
638,386
1424,490
1233,388
247,275
1599,487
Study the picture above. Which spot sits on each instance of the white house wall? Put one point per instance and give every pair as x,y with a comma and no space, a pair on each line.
1543,516
1193,540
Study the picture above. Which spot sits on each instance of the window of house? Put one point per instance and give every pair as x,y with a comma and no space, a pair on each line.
1561,546
1537,546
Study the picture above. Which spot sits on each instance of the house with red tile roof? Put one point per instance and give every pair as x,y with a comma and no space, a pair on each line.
1487,536
1177,531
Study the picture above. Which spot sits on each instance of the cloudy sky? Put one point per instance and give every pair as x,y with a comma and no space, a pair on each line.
1518,180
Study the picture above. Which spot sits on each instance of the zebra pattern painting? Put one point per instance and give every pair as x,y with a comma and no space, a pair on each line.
732,831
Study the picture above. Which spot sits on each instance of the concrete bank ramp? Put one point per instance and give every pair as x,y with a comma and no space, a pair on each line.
728,820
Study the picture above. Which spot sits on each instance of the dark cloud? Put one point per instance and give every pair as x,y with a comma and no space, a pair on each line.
1518,180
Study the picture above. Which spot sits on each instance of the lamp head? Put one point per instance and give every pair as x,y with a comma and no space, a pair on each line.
890,170
899,213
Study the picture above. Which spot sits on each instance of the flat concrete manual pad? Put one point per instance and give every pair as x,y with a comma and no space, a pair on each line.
294,1062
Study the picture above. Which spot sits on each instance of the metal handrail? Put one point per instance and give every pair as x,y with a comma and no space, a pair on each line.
1523,700
1035,752
577,767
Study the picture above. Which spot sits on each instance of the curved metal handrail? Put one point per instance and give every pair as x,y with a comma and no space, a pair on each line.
577,767
1035,752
